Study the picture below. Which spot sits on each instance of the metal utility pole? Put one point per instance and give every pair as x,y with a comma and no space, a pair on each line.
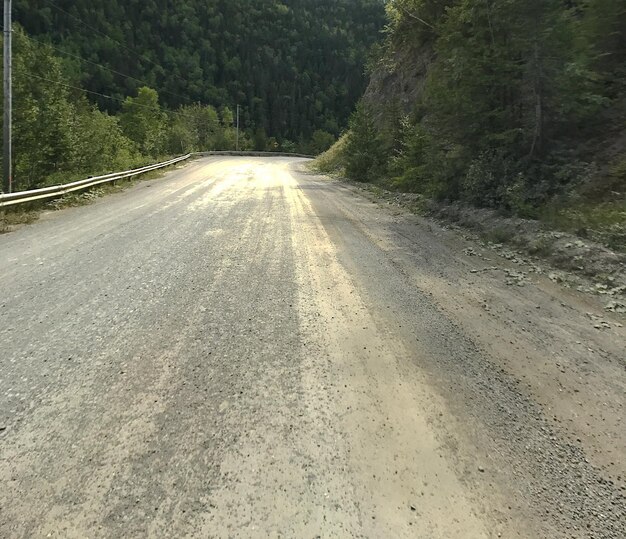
8,99
237,128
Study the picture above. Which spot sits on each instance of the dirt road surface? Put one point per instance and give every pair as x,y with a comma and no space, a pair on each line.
244,349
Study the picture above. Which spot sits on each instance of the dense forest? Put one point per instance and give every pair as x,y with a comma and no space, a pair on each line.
103,84
517,105
294,66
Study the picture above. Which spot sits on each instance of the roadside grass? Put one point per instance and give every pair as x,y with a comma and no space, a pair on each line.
602,222
499,234
10,219
331,161
376,190
586,240
541,247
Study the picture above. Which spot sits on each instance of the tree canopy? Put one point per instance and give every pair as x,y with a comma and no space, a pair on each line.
521,103
294,66
106,84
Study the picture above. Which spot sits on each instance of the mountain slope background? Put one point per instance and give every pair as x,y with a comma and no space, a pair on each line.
294,65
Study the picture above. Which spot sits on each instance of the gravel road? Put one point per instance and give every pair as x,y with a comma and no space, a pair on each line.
244,349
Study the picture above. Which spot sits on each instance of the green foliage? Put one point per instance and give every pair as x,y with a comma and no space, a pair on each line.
409,164
144,122
320,142
604,222
42,115
332,160
294,66
264,56
617,174
365,154
57,135
260,140
98,143
289,146
414,21
424,164
603,30
194,128
519,99
181,135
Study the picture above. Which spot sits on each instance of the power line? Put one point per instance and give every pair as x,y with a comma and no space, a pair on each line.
32,76
44,43
112,98
101,66
71,55
139,55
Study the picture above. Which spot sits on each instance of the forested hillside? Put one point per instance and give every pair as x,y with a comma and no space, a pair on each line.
517,105
294,66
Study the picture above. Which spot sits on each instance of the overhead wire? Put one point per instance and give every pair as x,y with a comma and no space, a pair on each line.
103,34
91,92
112,98
185,99
75,56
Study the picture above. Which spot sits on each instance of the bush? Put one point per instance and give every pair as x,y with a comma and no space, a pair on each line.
365,153
320,142
332,161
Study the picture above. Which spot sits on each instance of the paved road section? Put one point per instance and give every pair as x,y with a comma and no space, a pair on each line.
244,349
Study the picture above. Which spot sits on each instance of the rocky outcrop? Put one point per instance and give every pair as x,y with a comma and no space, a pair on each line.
399,81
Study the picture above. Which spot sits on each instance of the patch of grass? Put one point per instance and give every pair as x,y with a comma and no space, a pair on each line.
331,161
376,190
10,218
602,222
419,206
499,234
541,247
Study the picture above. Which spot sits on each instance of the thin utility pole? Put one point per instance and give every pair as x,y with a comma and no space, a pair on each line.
8,98
237,128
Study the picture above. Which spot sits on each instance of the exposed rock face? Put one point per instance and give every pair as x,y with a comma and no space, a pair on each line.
399,82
